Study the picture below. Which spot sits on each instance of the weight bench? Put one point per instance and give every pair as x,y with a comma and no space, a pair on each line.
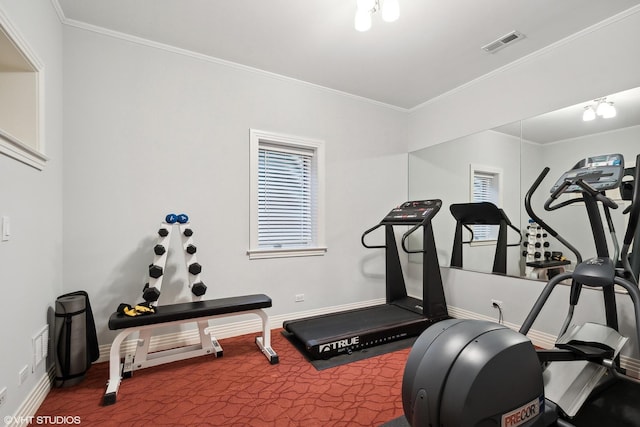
175,314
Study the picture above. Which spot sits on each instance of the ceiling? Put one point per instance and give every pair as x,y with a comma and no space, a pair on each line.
567,122
433,48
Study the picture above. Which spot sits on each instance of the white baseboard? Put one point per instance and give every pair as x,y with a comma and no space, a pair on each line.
33,401
27,411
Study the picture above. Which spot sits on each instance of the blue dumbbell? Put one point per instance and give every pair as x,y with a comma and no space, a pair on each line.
171,219
183,218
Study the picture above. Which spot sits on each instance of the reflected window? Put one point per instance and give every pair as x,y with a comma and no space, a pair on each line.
486,185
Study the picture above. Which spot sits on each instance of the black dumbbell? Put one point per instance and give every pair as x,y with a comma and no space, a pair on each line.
163,232
150,294
155,271
195,268
159,249
198,289
191,249
188,232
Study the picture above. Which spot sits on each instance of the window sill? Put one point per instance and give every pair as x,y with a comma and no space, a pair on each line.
483,242
285,253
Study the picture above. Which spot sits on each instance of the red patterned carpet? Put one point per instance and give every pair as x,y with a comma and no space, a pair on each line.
241,389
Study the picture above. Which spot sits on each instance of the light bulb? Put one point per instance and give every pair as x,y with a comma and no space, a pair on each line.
589,114
390,10
610,111
363,20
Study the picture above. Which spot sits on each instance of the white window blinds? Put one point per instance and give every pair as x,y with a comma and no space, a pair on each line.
285,197
485,189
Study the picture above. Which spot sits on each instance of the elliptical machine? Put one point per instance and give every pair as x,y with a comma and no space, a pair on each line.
477,373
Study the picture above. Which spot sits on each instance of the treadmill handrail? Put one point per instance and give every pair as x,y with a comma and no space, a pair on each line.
406,235
513,227
375,227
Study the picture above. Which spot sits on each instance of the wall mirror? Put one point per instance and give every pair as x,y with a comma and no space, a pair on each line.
516,153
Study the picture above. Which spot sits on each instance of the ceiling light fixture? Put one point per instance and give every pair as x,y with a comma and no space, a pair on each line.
601,108
366,8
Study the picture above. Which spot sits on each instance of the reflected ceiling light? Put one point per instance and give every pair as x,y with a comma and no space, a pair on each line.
601,108
366,8
589,113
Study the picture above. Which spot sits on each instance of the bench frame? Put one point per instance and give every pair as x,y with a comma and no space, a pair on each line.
143,359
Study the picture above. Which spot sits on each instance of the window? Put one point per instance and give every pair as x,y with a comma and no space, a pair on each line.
287,196
486,185
21,89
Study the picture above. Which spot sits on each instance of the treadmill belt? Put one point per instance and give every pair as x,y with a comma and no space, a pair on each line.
350,322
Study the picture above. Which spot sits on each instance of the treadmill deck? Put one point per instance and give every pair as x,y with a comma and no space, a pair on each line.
328,335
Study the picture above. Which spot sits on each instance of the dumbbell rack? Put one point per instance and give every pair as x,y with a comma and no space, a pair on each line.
151,291
537,253
536,245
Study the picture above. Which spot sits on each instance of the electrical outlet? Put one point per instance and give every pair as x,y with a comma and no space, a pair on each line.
495,302
299,297
3,396
40,344
23,374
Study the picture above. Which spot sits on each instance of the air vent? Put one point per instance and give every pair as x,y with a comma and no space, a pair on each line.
503,41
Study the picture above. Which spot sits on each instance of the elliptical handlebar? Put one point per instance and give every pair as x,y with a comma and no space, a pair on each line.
606,201
559,190
536,218
597,194
634,218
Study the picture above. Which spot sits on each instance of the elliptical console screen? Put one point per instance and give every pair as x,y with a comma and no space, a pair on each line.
600,172
413,212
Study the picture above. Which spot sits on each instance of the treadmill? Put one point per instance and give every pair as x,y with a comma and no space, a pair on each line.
402,316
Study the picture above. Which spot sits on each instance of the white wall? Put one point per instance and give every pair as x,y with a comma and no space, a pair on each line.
31,261
582,67
149,131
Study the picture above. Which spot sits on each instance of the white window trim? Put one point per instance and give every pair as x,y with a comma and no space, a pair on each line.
10,145
258,136
477,168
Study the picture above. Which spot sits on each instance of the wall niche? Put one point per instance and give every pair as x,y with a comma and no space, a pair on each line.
21,77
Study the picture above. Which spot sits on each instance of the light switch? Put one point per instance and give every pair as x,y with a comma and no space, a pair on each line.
6,228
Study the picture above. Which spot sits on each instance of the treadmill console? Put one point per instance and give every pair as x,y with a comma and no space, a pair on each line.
600,172
413,212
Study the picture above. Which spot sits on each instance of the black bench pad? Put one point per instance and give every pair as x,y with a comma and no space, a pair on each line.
191,310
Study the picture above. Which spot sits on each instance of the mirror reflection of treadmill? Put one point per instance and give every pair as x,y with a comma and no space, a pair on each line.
402,316
482,213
